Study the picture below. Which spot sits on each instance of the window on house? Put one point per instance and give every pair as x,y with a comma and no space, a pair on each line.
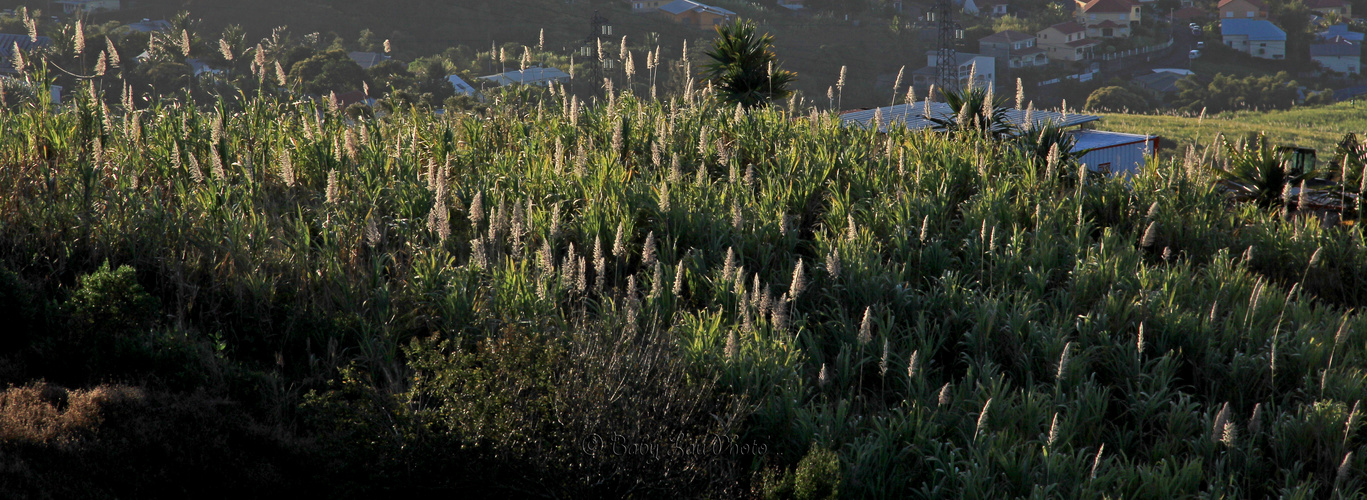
1250,13
1229,13
1104,168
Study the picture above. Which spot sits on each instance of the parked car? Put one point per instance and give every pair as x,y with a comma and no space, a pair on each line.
1196,30
1200,45
1194,54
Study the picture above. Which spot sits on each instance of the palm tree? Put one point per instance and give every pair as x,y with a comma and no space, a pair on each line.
974,113
744,68
1256,171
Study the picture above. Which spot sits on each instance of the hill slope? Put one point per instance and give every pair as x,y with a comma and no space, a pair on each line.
1315,127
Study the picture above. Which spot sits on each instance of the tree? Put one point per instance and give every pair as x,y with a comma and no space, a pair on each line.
1226,93
744,68
1116,99
326,72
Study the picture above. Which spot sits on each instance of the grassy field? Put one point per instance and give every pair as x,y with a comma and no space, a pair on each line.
649,298
1315,127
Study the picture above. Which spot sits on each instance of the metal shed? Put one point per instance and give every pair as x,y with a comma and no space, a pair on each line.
1114,153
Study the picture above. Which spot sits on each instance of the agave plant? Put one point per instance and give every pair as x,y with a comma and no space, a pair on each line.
1256,171
977,111
1038,143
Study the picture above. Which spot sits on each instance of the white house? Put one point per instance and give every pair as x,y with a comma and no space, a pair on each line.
1255,37
983,68
1338,54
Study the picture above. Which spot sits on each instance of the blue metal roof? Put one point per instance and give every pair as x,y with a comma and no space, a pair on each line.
1255,29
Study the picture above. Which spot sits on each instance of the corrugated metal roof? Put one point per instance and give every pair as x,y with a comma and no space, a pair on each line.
681,6
531,76
1097,139
1254,29
913,116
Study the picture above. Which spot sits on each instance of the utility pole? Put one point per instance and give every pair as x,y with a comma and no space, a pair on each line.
947,68
598,29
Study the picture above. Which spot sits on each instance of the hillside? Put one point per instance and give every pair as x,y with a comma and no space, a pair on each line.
816,47
650,298
1319,127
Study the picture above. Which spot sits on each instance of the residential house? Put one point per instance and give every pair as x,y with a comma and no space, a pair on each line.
1066,42
1242,9
694,13
535,75
1016,48
994,8
148,26
26,45
1255,37
1339,31
1107,18
70,7
461,87
983,70
368,60
1339,54
798,4
1326,7
640,6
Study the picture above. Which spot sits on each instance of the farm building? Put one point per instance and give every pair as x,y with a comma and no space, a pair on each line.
535,75
1105,152
1114,152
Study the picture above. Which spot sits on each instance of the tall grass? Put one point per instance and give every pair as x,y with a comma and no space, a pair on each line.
484,290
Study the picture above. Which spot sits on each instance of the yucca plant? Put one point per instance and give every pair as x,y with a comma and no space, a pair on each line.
976,111
1049,147
1256,171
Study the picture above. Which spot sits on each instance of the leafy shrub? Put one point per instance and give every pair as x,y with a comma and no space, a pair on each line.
111,301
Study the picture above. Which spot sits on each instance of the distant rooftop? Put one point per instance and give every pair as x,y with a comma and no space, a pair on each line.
1069,27
1336,47
1095,6
912,115
148,26
680,6
1007,36
367,60
531,76
1254,29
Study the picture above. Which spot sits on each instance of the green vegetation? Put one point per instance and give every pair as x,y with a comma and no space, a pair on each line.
1226,93
1317,127
743,68
679,297
1115,98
